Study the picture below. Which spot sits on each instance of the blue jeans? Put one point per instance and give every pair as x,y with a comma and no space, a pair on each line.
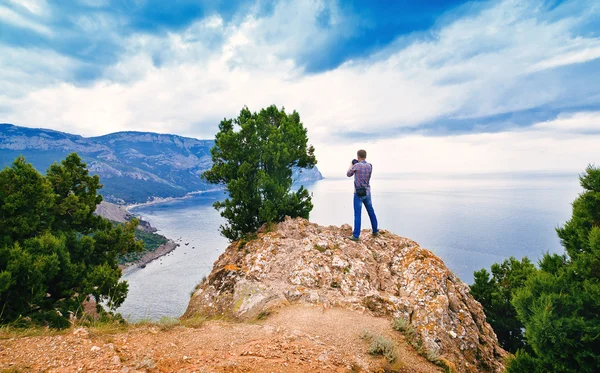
358,202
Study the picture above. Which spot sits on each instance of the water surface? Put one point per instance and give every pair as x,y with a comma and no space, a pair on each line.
469,221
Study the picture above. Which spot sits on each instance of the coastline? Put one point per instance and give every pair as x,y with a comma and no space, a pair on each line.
158,200
164,249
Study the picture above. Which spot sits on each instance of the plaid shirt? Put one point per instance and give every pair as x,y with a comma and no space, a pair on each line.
362,175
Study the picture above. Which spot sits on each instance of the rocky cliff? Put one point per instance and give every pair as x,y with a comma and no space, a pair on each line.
120,214
387,276
133,166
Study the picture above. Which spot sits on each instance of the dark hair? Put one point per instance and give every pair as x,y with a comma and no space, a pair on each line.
362,154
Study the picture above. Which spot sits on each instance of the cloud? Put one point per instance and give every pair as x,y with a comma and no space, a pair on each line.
37,7
23,71
461,76
16,19
584,122
531,150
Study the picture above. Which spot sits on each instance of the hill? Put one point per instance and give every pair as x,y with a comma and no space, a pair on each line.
134,167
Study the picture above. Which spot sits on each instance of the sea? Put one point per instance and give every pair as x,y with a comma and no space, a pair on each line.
470,221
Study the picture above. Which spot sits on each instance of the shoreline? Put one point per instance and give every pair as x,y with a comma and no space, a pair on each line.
148,257
158,200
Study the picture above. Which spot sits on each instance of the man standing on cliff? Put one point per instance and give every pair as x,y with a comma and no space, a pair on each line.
361,170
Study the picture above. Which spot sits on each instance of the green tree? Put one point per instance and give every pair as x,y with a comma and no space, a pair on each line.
495,294
560,304
54,252
253,156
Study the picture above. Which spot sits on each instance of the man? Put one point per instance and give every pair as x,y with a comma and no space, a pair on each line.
361,170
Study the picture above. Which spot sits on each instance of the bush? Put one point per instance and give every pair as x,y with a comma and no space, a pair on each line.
380,346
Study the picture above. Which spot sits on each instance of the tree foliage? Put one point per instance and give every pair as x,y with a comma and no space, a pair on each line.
495,294
54,252
253,156
559,304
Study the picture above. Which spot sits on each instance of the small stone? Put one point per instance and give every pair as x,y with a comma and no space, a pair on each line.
116,360
95,349
82,332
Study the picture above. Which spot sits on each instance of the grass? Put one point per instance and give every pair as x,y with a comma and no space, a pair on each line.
99,328
320,249
403,325
14,370
9,332
194,322
94,327
263,315
380,346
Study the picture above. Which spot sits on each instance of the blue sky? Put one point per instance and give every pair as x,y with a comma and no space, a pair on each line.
459,86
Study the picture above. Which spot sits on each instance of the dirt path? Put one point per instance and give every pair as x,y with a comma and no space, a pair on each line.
295,339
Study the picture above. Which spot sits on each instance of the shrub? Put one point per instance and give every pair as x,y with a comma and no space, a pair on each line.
380,346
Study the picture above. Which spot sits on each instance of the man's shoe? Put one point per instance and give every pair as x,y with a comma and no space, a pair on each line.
355,239
375,234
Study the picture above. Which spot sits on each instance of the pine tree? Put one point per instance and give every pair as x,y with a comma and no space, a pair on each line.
253,156
54,252
559,305
495,294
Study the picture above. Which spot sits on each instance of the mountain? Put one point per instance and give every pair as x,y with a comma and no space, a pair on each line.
134,167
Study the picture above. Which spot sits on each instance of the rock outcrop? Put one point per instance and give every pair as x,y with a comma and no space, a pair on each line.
120,214
388,276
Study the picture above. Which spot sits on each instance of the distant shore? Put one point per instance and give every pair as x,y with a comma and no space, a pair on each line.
166,248
149,256
158,200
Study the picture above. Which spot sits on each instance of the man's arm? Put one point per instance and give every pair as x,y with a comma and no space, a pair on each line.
351,170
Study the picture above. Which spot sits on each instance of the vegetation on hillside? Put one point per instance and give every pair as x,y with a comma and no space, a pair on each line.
495,295
152,241
253,156
558,303
54,252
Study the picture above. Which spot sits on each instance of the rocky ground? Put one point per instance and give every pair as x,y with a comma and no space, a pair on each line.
298,262
299,338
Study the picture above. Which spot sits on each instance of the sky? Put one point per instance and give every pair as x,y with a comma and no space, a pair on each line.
424,86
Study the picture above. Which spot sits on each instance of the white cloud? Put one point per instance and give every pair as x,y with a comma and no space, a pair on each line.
24,70
479,65
16,19
583,122
38,7
532,150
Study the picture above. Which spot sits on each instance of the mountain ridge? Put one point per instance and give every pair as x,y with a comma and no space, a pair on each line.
134,166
